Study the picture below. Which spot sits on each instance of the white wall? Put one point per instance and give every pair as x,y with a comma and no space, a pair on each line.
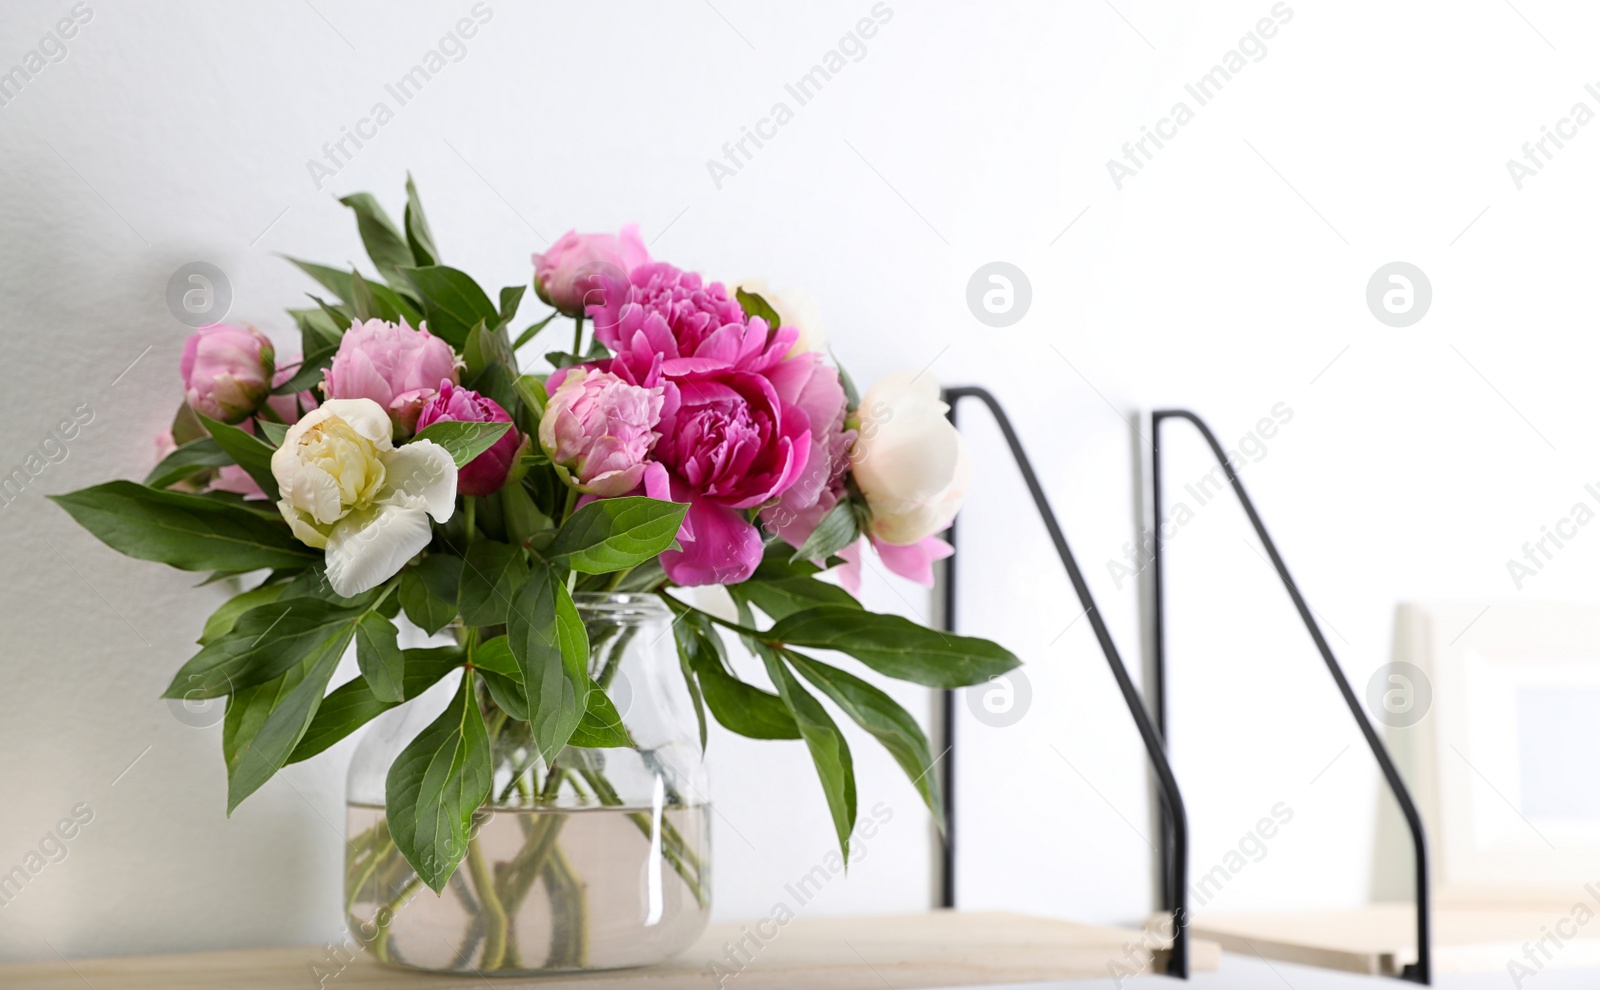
1228,276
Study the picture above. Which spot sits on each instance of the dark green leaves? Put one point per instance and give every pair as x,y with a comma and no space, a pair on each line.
452,302
490,576
888,723
263,643
782,597
428,591
829,751
353,704
190,532
385,246
551,646
378,654
614,534
435,785
464,441
837,530
896,646
265,723
601,726
755,305
191,459
247,450
419,236
228,613
739,707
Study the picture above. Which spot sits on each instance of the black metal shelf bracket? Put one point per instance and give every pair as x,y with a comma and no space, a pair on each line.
1174,878
1174,825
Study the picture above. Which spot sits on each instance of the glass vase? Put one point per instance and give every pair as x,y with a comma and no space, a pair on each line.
599,859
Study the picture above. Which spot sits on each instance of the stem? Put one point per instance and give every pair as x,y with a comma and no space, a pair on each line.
577,336
471,508
492,911
380,944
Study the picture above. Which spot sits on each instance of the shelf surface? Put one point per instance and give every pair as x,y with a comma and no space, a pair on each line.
938,949
1380,939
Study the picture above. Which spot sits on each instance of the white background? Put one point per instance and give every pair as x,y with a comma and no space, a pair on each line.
1228,276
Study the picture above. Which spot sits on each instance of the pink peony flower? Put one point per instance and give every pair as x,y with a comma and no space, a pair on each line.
226,371
568,276
390,363
486,473
601,429
913,561
815,493
690,310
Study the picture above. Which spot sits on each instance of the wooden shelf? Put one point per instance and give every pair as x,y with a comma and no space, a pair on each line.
1380,939
939,949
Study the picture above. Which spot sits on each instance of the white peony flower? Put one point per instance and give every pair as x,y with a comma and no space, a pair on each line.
908,460
345,486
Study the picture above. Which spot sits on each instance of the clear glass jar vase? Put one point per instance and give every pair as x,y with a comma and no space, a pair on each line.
598,860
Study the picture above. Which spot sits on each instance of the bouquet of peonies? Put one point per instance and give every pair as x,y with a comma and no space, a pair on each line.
405,464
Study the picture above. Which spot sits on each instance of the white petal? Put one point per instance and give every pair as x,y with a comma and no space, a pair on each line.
307,533
369,547
420,470
365,416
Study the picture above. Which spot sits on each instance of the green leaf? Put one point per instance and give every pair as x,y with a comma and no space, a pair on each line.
502,675
265,723
490,576
263,642
485,348
881,716
248,451
274,432
852,397
353,704
387,249
419,236
898,647
378,654
428,591
614,534
435,785
510,299
464,441
452,302
189,532
223,619
364,303
755,305
332,279
601,726
837,530
532,331
829,751
194,457
318,331
782,597
739,707
551,646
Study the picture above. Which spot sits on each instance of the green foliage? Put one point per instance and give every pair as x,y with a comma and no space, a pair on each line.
896,646
614,534
435,785
464,441
551,647
193,458
189,532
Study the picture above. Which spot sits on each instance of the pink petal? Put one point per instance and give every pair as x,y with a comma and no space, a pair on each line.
725,549
915,560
